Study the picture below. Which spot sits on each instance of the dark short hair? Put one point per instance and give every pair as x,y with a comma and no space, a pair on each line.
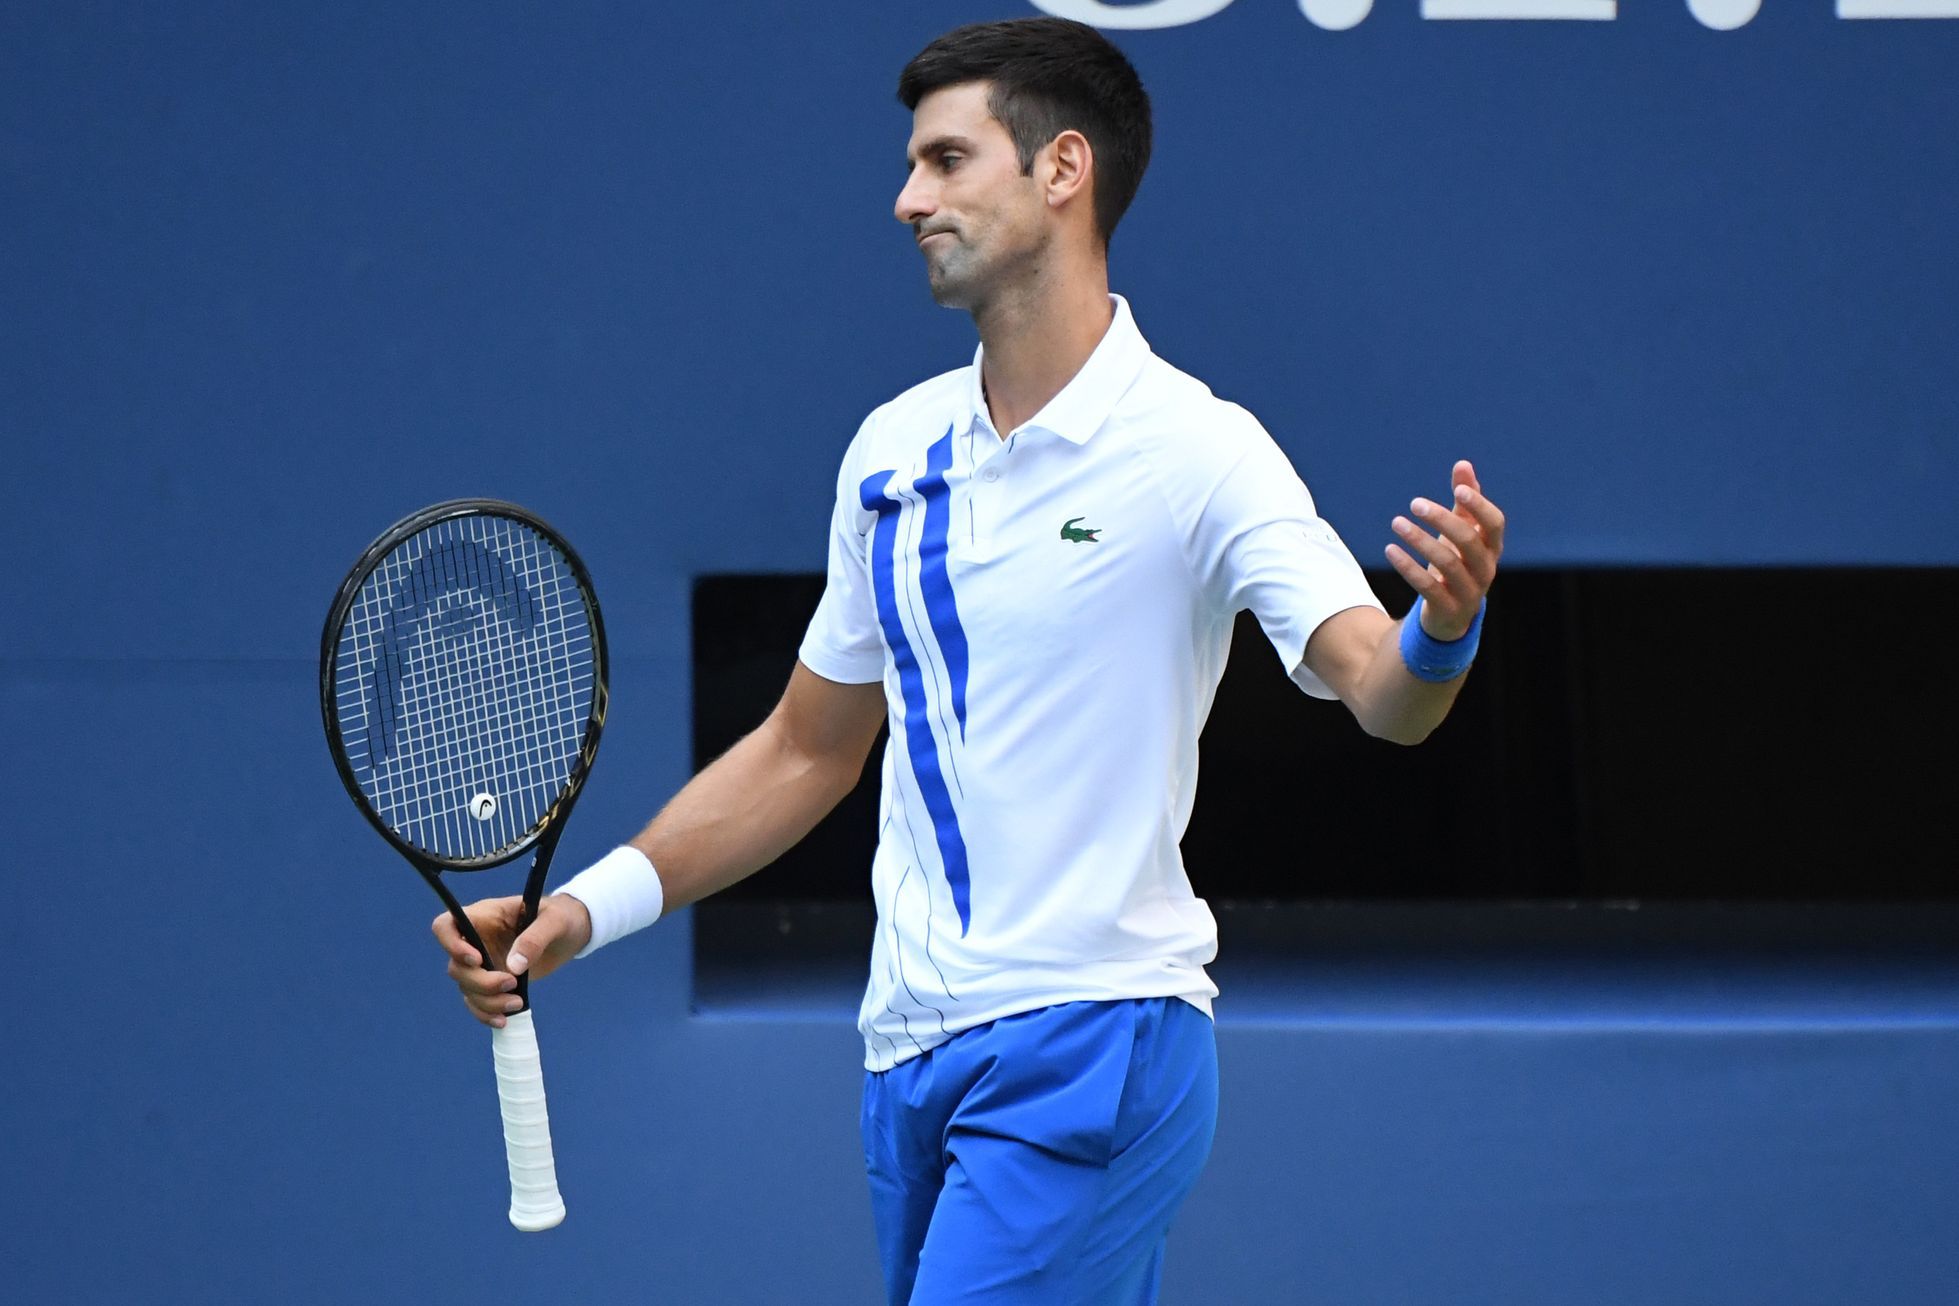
1049,75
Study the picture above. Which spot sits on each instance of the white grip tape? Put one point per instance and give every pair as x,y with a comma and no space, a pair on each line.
534,1200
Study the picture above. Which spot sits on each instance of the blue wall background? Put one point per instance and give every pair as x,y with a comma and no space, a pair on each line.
273,275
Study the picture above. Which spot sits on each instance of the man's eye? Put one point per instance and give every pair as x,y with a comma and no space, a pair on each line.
949,160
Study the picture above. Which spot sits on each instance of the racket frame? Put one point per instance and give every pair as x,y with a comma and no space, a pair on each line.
542,837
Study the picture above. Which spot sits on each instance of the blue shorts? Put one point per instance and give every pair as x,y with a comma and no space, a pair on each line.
1039,1159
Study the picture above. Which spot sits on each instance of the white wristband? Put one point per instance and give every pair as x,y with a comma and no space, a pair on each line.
622,893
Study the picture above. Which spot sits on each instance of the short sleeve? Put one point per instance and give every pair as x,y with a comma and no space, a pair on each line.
1263,546
843,642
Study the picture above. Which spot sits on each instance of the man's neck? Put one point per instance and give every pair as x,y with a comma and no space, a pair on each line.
1036,341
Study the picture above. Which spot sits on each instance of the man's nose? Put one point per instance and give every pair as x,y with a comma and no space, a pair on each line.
915,201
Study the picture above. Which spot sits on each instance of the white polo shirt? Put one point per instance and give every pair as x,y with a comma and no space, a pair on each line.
1049,614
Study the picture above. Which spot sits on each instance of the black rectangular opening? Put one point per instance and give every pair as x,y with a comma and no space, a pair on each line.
1748,757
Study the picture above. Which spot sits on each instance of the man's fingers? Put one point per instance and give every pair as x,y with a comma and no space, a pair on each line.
1441,554
1487,516
492,1004
1419,577
1475,527
1471,504
1461,531
452,940
492,1011
541,939
1444,604
531,944
475,979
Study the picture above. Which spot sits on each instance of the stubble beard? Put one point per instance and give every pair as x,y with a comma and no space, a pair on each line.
952,275
962,278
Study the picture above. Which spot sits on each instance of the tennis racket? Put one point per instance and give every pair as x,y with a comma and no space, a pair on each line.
462,679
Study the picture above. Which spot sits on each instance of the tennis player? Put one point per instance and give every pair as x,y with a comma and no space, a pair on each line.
1034,567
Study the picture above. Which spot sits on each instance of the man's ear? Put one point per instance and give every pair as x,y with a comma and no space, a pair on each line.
1070,169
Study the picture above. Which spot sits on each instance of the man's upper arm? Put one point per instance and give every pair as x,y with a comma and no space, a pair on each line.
1262,545
829,721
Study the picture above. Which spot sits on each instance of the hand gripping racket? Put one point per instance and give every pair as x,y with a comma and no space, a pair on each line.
462,678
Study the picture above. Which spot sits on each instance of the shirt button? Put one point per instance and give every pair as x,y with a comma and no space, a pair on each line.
990,474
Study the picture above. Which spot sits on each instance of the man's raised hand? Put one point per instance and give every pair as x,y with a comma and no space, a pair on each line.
1453,563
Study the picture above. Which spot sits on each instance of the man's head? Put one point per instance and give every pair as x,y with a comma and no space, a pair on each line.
1023,132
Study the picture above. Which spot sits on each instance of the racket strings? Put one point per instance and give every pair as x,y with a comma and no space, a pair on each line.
466,669
462,704
487,703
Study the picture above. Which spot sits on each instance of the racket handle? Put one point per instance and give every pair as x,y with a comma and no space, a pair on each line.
534,1200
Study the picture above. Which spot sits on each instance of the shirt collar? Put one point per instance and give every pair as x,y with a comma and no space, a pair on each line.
1085,403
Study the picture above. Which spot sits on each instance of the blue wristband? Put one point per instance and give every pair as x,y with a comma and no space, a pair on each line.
1435,660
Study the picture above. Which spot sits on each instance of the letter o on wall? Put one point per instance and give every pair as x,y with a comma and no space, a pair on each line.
1158,13
1724,15
1336,15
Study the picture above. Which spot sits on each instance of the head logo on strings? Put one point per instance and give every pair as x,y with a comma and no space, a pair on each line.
439,608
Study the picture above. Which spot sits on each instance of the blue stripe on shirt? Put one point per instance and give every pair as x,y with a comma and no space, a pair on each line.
940,605
920,743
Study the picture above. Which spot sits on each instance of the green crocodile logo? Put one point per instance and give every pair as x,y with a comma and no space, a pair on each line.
1077,535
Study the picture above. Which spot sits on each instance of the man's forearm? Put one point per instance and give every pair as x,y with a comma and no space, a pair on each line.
1391,704
747,808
